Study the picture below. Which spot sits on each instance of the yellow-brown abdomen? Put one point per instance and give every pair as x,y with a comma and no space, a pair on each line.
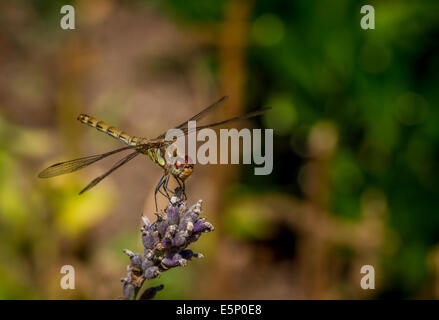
111,131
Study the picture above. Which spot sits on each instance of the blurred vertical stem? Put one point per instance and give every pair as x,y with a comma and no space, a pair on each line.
73,61
232,54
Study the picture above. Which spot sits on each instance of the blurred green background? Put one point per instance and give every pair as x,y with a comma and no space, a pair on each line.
355,152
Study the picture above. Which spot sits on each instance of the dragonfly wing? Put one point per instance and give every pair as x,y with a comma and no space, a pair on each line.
199,115
76,164
216,124
117,165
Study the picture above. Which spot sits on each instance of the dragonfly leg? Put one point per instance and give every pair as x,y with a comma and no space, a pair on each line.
184,190
165,187
179,182
161,192
157,189
181,186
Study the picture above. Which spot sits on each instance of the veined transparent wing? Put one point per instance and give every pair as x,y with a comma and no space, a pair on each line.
199,115
116,166
248,115
76,164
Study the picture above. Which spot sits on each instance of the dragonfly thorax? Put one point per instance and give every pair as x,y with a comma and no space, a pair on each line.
157,156
177,166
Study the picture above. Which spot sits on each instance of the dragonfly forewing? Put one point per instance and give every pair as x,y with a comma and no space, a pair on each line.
199,115
248,115
117,165
76,164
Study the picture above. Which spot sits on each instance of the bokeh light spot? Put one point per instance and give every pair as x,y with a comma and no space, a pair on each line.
283,115
267,30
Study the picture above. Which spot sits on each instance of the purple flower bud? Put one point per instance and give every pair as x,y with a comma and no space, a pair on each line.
136,261
193,237
197,208
170,232
179,239
146,222
162,226
183,207
147,263
192,216
128,290
199,226
156,237
202,225
129,253
184,224
167,243
148,240
208,227
152,272
173,261
173,214
135,258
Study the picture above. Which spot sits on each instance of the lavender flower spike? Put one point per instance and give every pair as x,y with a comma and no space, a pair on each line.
165,242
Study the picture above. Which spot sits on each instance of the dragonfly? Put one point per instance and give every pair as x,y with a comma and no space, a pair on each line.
155,149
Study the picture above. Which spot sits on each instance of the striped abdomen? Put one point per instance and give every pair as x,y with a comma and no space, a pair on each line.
111,131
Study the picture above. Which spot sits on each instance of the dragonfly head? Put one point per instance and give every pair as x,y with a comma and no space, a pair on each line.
182,167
